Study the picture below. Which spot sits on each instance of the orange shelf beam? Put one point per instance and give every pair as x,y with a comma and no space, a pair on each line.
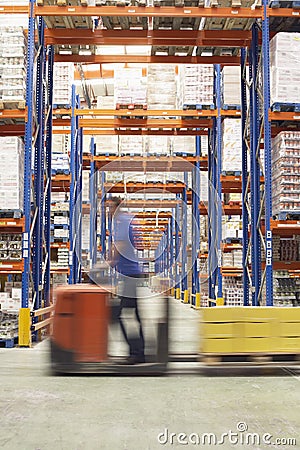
230,247
142,132
286,265
132,187
61,182
140,11
285,227
283,12
151,203
12,224
200,38
145,123
284,116
13,114
153,215
141,59
60,245
149,163
12,130
14,9
143,112
228,210
231,271
11,267
60,270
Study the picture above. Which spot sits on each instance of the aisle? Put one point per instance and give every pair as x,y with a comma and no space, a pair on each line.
183,323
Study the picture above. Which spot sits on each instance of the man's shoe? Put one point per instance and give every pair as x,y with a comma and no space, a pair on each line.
135,359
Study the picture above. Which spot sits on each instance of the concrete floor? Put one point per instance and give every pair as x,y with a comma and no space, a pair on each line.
41,412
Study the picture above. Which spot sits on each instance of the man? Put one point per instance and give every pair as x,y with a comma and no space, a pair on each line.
125,262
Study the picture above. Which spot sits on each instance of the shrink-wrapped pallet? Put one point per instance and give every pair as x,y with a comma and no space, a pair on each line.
232,145
130,87
231,86
285,68
63,79
286,172
182,145
11,173
132,145
13,46
161,92
195,85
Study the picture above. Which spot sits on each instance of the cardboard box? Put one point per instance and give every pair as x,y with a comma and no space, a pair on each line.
288,314
219,314
217,330
257,344
217,346
289,329
259,329
289,344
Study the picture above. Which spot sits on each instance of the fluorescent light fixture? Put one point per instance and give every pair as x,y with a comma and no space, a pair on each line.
138,50
110,50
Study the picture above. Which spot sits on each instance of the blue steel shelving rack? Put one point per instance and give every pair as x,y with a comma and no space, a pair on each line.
38,135
75,230
196,179
257,202
245,176
184,282
93,207
254,212
215,290
37,183
177,249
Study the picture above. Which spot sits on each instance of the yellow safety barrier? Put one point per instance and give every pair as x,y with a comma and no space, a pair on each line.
25,323
186,296
24,327
198,300
178,294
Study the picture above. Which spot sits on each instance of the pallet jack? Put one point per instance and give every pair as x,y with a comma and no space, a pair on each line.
83,316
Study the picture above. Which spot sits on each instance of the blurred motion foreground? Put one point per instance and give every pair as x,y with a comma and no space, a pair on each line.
86,325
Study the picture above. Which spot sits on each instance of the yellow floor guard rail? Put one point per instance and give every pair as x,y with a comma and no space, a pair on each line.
26,326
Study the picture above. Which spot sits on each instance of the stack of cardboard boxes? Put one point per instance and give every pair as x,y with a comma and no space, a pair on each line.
11,173
286,172
13,46
250,330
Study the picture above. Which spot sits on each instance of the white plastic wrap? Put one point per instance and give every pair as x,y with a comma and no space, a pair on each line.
285,68
286,172
11,173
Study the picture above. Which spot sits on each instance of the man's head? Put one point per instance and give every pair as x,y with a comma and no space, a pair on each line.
113,204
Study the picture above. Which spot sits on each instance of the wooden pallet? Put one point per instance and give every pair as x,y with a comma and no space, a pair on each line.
218,359
7,343
11,213
230,23
12,104
123,22
62,2
66,21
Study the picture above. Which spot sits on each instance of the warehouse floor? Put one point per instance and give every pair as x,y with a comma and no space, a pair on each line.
42,412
